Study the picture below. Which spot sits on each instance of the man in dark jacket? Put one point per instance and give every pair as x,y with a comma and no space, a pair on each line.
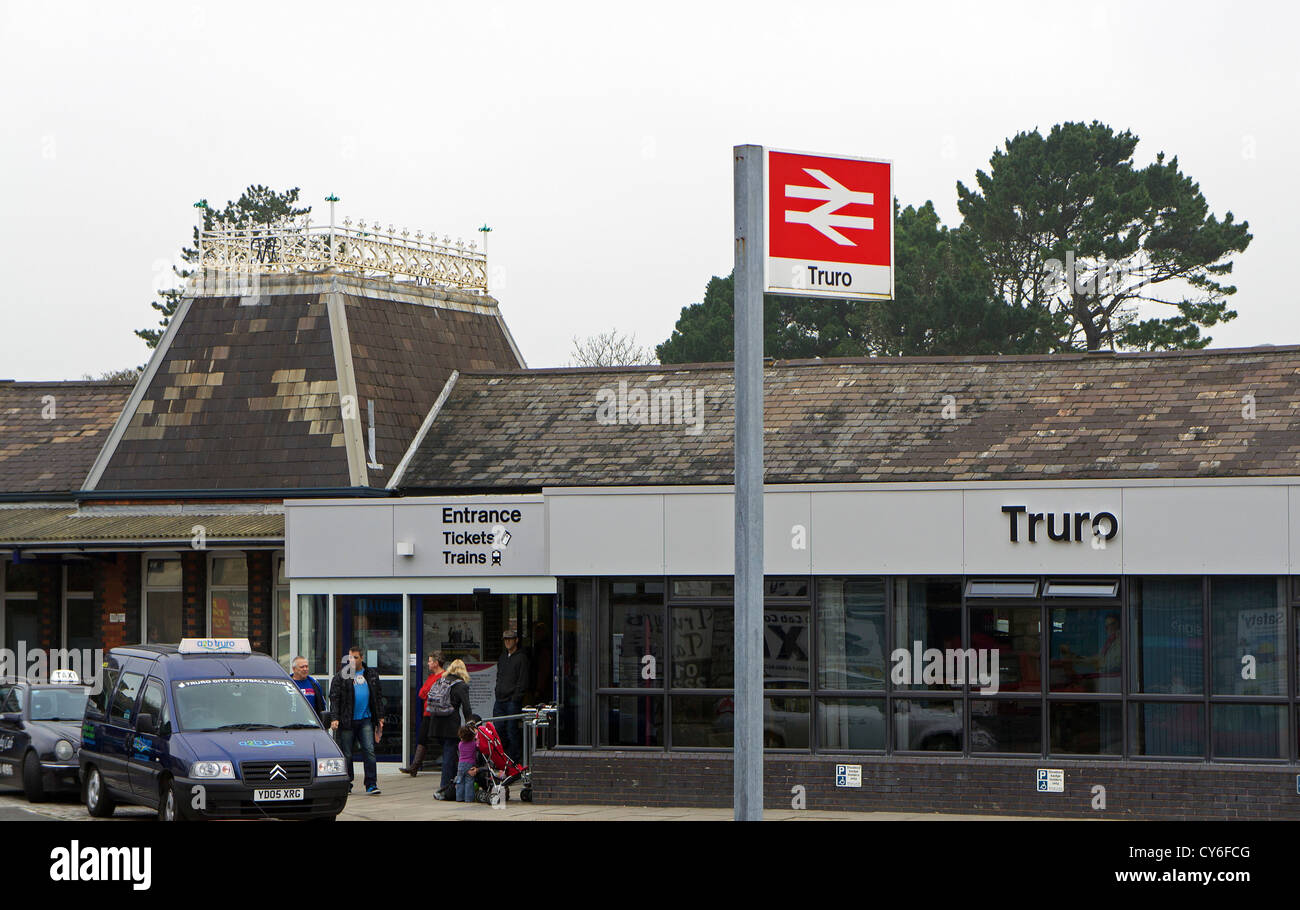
357,708
513,677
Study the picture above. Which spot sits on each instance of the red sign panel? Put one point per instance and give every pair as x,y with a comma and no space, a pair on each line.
829,225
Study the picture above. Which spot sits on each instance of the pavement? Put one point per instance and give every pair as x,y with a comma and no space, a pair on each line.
411,799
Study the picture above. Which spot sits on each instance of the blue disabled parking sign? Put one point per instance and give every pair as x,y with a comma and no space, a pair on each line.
1050,780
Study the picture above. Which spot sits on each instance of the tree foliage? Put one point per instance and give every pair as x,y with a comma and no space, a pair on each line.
1076,234
257,205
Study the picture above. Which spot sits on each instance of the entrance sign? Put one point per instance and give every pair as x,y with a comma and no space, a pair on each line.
830,226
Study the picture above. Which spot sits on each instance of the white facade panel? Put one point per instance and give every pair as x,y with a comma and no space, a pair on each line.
1067,512
339,541
900,532
1211,529
699,534
456,536
598,534
787,534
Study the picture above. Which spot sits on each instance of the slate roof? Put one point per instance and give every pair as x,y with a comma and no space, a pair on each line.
249,391
1224,413
50,432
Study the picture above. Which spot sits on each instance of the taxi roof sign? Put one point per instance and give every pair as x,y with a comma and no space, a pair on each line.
65,676
215,646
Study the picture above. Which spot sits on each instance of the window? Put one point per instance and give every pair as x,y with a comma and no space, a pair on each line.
1248,636
155,705
632,657
283,636
124,698
228,587
1087,653
927,614
313,617
79,621
1167,636
162,600
851,636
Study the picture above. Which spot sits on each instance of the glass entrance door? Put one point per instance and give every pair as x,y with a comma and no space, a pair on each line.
374,624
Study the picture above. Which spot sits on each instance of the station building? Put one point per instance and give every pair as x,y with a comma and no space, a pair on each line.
1117,533
343,446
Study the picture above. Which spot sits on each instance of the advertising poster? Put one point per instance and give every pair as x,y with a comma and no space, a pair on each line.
482,688
457,635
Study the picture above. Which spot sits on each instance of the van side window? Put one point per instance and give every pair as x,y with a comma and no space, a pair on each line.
6,695
98,701
153,703
124,698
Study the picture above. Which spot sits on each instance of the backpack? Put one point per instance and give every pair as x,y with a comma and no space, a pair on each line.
439,700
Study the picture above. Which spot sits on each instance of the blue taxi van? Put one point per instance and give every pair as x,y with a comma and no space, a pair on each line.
206,729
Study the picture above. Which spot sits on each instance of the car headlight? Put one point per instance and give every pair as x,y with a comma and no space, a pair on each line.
213,770
327,766
64,750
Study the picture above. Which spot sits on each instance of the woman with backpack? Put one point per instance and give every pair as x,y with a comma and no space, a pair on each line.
433,663
448,702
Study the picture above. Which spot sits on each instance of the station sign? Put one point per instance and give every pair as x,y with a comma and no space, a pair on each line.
830,226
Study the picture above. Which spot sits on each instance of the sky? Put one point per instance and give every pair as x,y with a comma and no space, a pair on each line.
594,138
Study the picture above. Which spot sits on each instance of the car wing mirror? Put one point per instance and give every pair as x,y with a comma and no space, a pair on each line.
11,717
144,724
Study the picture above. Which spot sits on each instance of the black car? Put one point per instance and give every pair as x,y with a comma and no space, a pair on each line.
40,733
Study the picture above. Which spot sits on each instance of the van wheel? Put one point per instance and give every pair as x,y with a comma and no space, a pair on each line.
33,789
99,802
167,802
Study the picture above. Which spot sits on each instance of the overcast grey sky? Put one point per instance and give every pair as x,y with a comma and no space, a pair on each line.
594,138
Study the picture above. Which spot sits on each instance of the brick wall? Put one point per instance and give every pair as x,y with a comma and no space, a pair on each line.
261,592
49,605
117,590
194,593
1137,790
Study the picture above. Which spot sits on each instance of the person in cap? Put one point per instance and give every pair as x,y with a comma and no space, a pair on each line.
514,676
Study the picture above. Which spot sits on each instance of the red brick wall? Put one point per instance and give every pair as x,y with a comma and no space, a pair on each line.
49,612
117,590
261,592
194,593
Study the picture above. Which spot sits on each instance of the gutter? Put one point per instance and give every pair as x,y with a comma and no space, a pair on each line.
289,493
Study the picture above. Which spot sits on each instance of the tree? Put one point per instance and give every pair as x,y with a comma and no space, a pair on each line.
943,303
258,205
609,349
1074,233
122,375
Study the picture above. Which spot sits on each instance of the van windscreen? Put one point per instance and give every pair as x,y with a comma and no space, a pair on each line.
241,704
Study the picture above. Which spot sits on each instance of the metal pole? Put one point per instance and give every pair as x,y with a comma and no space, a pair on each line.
748,306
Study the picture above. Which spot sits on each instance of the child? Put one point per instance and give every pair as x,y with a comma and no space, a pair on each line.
468,755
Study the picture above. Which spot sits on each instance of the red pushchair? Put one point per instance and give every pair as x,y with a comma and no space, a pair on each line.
496,770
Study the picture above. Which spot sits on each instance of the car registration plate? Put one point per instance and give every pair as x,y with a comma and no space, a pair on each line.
271,796
6,770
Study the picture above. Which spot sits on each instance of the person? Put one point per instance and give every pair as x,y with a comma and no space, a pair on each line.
433,665
357,709
450,695
513,678
468,755
310,688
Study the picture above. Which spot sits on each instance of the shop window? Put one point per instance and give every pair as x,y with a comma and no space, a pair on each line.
162,600
576,616
633,655
1108,589
702,589
632,720
1000,726
1002,589
786,722
21,577
312,632
1166,636
703,648
1167,730
851,633
1086,727
703,721
851,724
228,586
1248,731
1248,636
163,572
1086,654
1017,635
787,646
927,614
927,725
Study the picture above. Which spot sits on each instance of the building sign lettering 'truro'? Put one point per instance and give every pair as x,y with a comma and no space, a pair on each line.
1065,526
